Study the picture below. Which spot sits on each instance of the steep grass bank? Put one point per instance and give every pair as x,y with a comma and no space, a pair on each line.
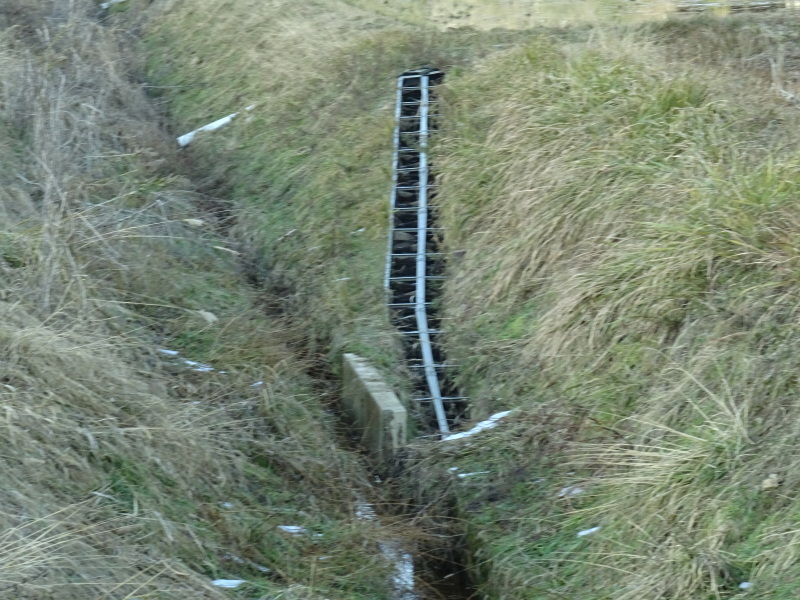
628,227
127,472
309,167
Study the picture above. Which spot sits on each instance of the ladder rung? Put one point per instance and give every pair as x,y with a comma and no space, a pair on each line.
430,331
414,278
393,304
448,398
415,229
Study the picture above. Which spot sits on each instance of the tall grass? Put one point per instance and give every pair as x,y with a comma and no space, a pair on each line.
628,278
126,474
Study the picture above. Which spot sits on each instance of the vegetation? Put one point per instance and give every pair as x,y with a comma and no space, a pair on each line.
622,204
127,472
622,199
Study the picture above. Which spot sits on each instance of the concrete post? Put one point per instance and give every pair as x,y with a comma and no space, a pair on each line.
373,408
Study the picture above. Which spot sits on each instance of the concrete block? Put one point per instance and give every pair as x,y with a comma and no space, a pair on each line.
373,408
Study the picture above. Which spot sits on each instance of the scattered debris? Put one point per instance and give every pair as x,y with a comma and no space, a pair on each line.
199,367
745,585
168,352
227,504
588,531
194,222
223,248
569,491
770,482
110,3
187,138
231,584
487,424
208,317
462,475
257,384
296,530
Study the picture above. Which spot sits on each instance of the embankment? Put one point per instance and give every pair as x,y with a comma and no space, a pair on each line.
623,205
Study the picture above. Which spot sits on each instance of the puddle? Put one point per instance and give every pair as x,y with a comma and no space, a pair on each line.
521,14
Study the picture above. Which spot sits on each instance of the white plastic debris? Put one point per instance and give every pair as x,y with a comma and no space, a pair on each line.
199,367
453,469
187,138
110,3
257,384
569,491
293,529
588,531
168,352
296,530
230,584
227,505
487,424
208,317
462,475
745,585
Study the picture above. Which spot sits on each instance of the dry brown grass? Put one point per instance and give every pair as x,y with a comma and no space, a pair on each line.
115,460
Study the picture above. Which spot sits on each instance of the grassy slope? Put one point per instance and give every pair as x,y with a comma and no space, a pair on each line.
624,202
124,473
310,165
629,229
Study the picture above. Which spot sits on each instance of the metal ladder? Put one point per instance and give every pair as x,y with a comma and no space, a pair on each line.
413,265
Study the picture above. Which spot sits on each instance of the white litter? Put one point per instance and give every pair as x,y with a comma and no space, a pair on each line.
110,3
257,384
343,279
487,424
199,367
453,469
462,475
227,504
168,352
588,531
296,530
187,138
745,585
293,529
358,231
231,584
569,491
